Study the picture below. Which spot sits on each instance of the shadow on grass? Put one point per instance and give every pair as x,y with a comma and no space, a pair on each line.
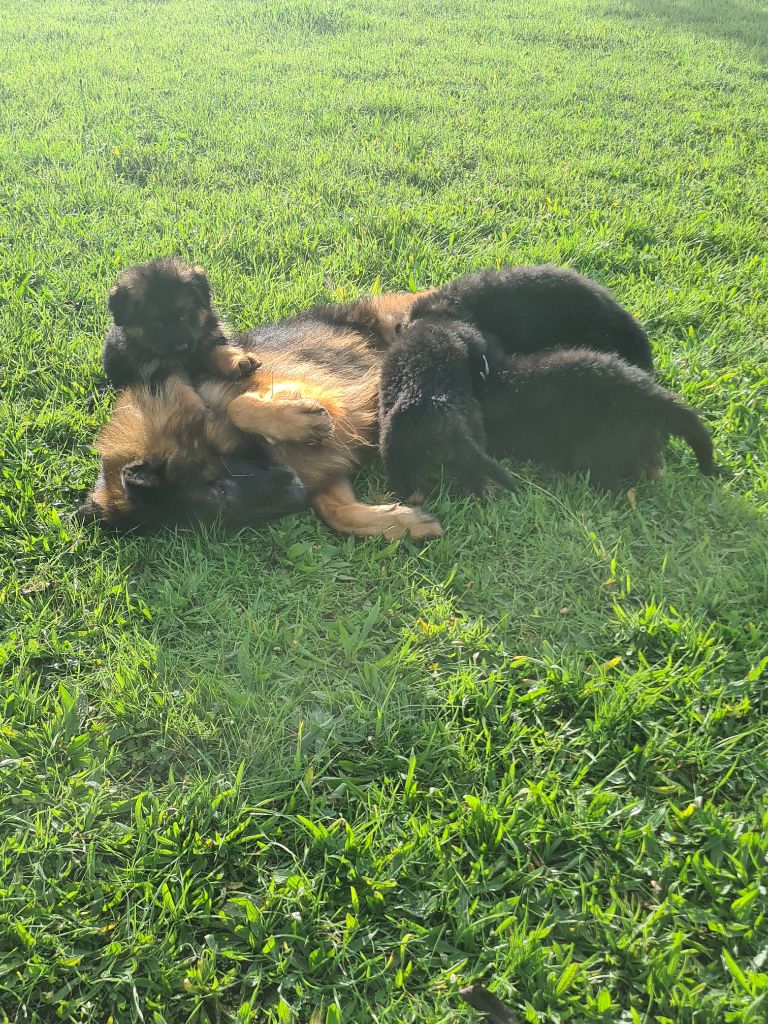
743,23
292,647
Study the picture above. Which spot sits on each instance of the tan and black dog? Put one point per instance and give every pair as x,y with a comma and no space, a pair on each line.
313,400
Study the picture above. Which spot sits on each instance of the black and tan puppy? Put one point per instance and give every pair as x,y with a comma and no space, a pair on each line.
164,324
530,309
568,409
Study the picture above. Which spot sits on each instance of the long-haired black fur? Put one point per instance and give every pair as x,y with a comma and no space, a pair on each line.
575,410
430,416
530,309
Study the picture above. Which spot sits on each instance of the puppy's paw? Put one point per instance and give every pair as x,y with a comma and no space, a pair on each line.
487,478
232,363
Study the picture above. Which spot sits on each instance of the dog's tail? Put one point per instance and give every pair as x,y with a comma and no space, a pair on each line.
682,421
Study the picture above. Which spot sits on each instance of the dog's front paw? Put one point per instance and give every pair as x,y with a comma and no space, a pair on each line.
244,366
298,421
313,421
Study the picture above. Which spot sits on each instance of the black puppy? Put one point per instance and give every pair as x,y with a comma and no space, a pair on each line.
529,309
568,409
577,410
429,413
164,324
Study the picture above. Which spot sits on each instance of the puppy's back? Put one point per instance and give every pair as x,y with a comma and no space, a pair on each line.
573,408
531,309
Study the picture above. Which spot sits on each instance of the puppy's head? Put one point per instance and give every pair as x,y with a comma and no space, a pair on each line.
158,468
164,307
448,340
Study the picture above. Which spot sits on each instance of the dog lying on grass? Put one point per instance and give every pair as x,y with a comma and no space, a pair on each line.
569,409
314,402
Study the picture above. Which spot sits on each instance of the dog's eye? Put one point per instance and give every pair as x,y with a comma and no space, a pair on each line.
218,491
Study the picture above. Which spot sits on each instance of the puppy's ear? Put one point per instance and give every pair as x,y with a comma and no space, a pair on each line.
199,281
144,477
121,304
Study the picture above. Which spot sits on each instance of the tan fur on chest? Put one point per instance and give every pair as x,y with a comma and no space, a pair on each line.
346,387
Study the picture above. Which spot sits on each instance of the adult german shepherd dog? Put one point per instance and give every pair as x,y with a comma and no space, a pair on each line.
308,415
296,429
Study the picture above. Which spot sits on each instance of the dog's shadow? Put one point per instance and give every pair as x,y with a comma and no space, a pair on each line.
291,645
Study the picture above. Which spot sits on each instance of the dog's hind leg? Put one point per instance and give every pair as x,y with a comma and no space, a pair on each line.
337,505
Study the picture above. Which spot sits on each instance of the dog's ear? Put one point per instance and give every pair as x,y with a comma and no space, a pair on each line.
144,476
121,304
199,281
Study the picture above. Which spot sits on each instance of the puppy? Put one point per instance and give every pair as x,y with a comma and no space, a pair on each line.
429,412
530,309
576,410
568,409
164,325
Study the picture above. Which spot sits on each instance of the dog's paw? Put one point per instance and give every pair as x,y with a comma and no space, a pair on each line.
400,521
245,366
423,526
302,420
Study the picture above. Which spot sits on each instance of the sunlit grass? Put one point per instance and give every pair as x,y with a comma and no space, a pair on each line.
285,774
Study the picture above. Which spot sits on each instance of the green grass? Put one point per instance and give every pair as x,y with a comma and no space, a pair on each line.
285,776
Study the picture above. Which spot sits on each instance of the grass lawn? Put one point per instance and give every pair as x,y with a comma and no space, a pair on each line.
288,777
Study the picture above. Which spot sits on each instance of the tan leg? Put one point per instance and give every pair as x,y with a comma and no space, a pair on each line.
338,506
182,399
231,362
279,418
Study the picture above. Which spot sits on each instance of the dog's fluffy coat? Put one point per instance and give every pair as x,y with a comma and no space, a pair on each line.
530,309
567,409
446,393
314,398
164,324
